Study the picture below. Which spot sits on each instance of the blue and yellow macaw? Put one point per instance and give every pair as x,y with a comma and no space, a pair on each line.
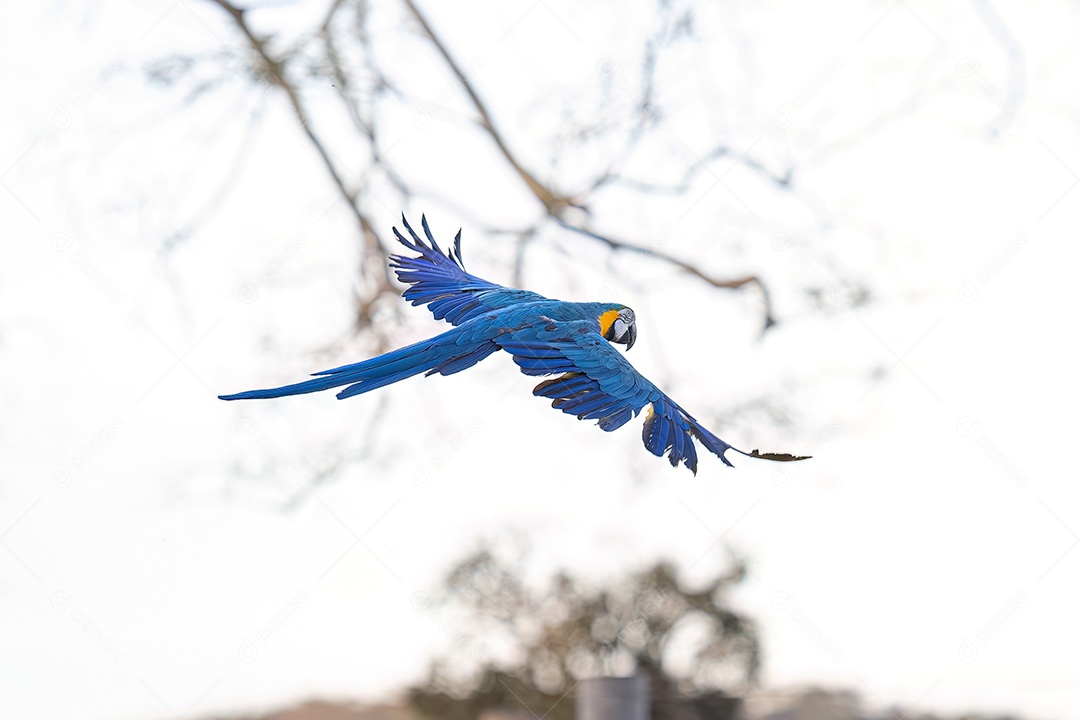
545,337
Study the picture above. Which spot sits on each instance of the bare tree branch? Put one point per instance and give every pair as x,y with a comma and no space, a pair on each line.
275,72
734,284
555,202
552,201
782,181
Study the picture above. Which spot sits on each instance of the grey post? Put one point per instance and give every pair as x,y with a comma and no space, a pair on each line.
612,698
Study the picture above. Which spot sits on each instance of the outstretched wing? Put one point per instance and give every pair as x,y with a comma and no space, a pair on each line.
597,383
440,281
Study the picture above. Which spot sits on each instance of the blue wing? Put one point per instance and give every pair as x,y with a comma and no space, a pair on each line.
440,281
597,383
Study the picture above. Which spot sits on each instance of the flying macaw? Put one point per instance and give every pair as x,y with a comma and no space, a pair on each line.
545,337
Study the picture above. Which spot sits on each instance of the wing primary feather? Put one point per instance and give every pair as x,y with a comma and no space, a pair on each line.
439,280
457,250
427,232
417,242
615,420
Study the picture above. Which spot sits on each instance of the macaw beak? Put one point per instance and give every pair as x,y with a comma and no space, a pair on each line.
631,337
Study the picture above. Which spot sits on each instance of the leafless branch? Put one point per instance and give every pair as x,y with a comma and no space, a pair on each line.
782,180
732,284
555,202
552,201
274,69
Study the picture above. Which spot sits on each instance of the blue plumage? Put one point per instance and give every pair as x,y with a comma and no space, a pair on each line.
451,352
440,281
572,341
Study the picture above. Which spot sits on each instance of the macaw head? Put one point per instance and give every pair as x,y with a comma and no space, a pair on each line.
618,326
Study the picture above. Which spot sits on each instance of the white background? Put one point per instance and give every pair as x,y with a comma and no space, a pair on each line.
143,540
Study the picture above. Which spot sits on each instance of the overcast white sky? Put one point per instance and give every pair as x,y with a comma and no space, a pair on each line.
925,556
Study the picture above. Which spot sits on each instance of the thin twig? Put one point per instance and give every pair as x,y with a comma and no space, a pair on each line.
554,202
276,74
782,181
733,284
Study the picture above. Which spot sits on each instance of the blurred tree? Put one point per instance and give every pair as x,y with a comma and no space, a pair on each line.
519,648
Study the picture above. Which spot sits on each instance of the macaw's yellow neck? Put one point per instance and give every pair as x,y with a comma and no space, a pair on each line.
607,320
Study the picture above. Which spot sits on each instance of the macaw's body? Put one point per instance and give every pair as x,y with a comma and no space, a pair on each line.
545,337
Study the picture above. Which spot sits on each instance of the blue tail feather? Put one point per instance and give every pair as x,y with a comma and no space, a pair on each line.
451,352
461,362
